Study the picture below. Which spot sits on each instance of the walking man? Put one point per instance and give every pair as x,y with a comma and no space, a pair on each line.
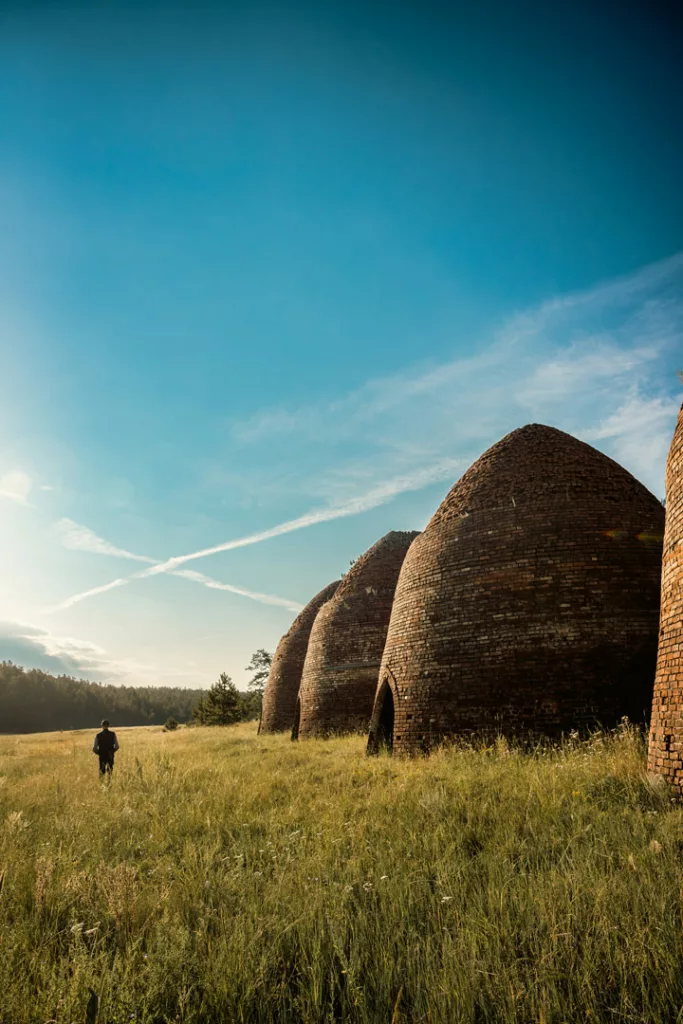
105,746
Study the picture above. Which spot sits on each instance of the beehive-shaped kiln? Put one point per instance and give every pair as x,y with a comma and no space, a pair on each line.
529,604
666,728
345,647
284,678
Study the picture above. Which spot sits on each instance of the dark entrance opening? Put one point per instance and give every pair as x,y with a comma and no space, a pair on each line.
382,725
297,717
385,726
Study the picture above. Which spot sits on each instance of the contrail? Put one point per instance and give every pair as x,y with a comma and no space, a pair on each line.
80,538
187,574
377,496
253,595
121,582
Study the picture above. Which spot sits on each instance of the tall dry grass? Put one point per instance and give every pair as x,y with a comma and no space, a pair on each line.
227,877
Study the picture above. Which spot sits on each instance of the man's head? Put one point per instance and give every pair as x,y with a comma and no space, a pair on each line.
105,723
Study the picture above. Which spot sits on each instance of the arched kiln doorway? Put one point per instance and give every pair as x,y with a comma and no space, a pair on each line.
297,718
382,725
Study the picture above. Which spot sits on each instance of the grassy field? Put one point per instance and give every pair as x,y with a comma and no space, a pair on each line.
226,877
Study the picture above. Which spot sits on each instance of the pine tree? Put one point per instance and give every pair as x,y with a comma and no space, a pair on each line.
222,704
198,712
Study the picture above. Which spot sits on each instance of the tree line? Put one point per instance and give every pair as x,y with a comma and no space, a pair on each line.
35,701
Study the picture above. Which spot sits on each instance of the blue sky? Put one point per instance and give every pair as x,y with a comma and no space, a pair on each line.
281,273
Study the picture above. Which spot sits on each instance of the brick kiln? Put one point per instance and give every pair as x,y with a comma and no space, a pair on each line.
666,729
530,603
284,678
345,647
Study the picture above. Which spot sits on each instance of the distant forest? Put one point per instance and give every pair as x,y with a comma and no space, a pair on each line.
35,701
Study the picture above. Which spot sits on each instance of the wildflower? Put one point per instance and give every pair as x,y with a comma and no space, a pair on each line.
367,886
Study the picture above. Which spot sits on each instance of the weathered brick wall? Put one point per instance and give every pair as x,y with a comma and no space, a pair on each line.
531,601
345,647
284,678
666,729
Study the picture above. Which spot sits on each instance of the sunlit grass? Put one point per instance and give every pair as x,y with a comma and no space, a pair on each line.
226,877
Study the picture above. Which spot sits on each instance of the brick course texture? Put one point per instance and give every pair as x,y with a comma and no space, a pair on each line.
530,603
665,755
284,678
345,647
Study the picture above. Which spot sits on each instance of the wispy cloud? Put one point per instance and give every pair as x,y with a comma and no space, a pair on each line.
645,304
16,485
623,290
585,365
71,655
640,432
571,362
599,364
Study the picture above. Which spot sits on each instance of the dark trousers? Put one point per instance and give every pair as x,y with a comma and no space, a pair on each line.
106,764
